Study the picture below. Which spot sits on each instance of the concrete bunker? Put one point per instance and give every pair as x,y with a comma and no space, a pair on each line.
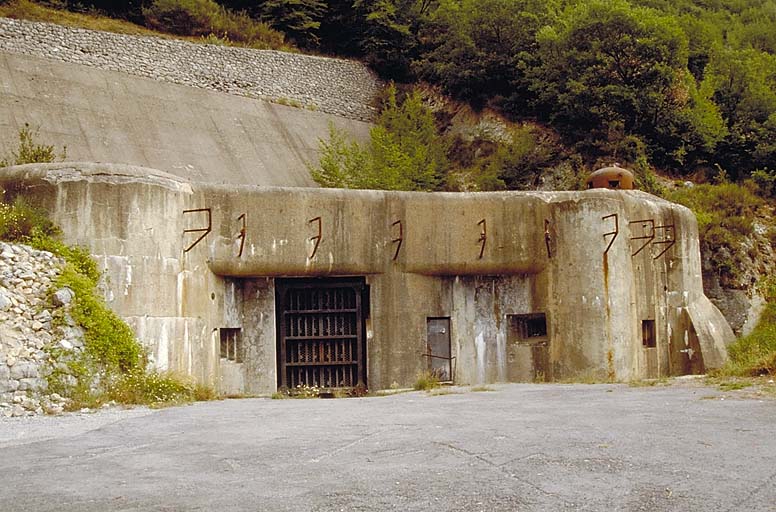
255,288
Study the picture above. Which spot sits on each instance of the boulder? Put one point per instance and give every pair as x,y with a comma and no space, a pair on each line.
63,296
5,301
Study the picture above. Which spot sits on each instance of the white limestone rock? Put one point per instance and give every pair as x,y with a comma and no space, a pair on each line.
63,296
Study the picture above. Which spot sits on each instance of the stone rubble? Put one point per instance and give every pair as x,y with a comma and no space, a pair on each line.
334,86
27,330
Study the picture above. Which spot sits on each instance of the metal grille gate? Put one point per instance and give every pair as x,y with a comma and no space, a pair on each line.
321,338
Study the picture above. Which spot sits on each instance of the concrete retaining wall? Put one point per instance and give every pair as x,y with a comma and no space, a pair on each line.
339,87
201,112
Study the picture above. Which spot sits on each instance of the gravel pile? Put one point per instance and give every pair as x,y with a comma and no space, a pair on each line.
28,335
335,86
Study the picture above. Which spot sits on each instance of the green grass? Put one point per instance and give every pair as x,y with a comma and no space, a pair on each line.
151,388
288,102
749,387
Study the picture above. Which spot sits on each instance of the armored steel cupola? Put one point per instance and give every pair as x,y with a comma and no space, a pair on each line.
614,177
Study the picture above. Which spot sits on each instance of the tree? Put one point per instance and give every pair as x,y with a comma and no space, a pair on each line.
743,84
478,49
610,65
343,163
519,163
341,29
404,151
299,19
389,38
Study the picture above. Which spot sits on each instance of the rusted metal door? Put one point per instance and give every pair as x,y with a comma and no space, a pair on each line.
321,339
438,348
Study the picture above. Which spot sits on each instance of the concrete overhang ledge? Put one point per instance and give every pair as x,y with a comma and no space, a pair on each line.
94,172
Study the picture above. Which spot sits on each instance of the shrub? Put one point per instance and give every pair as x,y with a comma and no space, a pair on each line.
205,18
243,29
765,180
404,153
21,222
107,339
30,152
182,17
426,381
79,257
725,214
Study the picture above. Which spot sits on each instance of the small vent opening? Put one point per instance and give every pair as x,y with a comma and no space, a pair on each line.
530,328
231,344
648,338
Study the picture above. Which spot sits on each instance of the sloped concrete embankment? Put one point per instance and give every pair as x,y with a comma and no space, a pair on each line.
340,87
195,111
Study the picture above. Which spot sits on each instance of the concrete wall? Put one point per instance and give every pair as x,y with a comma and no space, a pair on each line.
344,88
109,116
543,253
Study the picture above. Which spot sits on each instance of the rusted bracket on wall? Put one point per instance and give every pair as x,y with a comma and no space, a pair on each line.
317,237
243,231
483,236
547,238
399,239
204,231
614,233
649,237
669,238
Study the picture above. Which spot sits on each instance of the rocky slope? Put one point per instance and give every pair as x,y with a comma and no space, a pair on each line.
29,334
739,296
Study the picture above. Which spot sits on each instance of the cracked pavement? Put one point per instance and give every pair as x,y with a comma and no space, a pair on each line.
520,447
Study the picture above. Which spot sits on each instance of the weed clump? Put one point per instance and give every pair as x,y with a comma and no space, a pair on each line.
141,387
426,381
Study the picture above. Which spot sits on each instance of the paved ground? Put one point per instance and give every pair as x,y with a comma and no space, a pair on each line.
521,447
